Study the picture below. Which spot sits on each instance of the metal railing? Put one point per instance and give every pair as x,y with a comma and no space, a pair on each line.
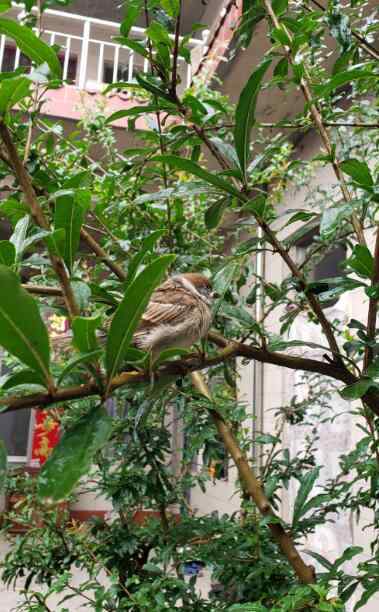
89,57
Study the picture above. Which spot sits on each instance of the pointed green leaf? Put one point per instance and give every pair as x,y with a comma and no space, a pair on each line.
133,9
130,310
361,261
74,455
171,7
135,111
82,358
84,331
306,486
32,46
12,91
357,390
7,253
359,171
22,377
353,74
22,331
186,165
69,215
18,237
214,213
147,245
245,114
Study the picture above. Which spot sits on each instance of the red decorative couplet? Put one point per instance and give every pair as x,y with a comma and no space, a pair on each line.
45,437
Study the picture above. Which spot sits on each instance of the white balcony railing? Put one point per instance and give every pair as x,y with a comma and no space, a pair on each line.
89,57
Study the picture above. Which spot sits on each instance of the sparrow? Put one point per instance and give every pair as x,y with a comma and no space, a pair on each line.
177,316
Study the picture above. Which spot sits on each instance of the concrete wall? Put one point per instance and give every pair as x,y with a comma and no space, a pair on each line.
278,388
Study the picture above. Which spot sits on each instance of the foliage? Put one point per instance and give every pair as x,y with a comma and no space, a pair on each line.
102,230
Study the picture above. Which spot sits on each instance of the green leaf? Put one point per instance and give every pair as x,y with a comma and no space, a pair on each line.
169,354
84,332
7,253
192,168
332,217
359,171
32,46
135,111
224,278
341,79
348,592
348,554
18,237
22,331
361,261
147,246
133,45
214,213
245,114
279,7
306,485
358,389
74,455
130,310
159,34
23,377
133,9
3,465
151,86
252,14
281,68
257,205
82,294
82,358
56,241
5,5
171,7
69,216
321,560
12,91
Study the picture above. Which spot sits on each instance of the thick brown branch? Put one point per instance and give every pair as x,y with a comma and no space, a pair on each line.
183,367
253,487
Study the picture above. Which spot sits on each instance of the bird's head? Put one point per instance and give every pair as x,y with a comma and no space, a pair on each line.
201,285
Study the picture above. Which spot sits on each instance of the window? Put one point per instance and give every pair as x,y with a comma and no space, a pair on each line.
122,72
9,58
15,430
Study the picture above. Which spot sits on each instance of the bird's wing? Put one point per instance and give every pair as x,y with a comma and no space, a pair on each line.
168,303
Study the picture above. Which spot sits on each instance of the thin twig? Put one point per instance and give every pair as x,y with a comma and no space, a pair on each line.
370,50
39,217
372,308
319,123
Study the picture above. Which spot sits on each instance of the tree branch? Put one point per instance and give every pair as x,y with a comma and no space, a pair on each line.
42,290
254,488
183,367
373,307
318,121
38,216
370,50
101,253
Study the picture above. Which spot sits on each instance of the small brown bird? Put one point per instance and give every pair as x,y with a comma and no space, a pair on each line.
177,316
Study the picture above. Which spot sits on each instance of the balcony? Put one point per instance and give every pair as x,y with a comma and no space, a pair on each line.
91,60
